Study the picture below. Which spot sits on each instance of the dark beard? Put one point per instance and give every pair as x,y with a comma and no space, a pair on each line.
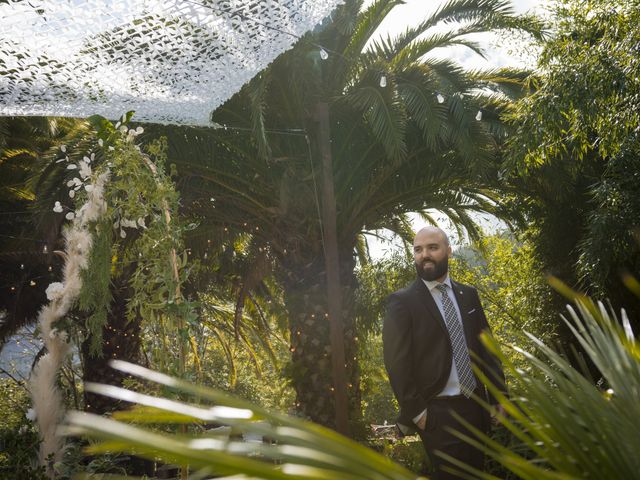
440,269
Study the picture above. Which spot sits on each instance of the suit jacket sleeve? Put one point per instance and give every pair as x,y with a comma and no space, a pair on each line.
397,345
491,365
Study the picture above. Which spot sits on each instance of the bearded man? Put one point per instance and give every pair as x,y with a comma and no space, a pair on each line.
431,338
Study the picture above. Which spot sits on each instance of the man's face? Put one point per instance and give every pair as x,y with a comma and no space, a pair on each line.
431,255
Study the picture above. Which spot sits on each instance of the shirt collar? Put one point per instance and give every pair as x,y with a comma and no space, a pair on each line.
431,284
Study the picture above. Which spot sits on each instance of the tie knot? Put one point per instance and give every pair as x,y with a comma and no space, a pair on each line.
442,287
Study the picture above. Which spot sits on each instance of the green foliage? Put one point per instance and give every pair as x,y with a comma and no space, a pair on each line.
140,238
19,439
577,426
301,449
95,295
575,150
512,287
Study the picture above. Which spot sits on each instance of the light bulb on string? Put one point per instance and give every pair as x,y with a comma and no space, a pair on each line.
383,81
440,97
45,249
479,115
323,54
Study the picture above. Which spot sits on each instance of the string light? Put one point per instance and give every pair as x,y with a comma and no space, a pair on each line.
383,81
323,54
45,249
32,283
479,115
439,97
22,266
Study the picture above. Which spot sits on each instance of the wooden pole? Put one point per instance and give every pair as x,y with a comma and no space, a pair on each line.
332,265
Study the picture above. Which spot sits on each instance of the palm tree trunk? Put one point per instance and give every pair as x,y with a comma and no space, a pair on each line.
332,264
311,370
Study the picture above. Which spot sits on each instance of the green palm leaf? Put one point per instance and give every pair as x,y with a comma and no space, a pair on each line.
298,449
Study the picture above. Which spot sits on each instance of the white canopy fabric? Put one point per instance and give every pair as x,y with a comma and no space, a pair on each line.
173,62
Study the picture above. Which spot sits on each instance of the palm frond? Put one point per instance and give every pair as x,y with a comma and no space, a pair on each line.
576,427
384,112
296,448
368,22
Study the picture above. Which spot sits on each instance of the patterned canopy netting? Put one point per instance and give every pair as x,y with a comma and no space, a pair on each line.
171,61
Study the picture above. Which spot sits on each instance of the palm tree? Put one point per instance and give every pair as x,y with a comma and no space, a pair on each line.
30,231
357,140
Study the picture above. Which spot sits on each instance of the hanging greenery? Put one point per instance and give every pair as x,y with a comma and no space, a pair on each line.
139,237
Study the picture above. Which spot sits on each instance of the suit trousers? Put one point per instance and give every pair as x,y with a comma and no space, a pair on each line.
437,436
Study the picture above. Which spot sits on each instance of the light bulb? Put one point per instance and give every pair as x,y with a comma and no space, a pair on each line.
383,81
323,54
440,98
45,249
479,115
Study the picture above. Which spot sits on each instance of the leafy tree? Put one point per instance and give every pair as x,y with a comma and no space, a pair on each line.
575,148
403,138
30,230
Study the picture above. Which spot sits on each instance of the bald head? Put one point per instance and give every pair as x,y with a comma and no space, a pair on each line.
431,251
430,230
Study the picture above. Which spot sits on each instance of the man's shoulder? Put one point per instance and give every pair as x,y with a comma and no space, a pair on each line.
463,286
404,292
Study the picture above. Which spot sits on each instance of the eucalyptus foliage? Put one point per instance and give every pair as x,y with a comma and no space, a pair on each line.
139,239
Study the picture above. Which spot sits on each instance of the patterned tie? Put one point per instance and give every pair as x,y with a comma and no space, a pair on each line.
458,344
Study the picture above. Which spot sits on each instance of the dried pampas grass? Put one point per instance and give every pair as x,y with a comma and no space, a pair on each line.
45,395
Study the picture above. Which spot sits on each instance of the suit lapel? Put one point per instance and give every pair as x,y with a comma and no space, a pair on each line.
423,293
463,305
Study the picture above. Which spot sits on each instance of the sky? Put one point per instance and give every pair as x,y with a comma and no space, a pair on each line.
498,54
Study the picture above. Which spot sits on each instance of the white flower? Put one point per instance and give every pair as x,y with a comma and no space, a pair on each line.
63,148
86,159
54,291
128,223
123,129
123,234
141,222
139,130
31,415
70,183
72,193
93,157
118,125
57,207
60,160
88,188
70,216
73,166
100,142
85,170
111,148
